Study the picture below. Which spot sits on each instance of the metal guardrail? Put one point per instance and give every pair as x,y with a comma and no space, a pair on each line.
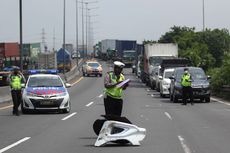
226,88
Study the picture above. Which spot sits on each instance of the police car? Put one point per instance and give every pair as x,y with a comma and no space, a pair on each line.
45,90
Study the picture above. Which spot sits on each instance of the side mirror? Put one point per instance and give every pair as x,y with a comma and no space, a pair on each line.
160,77
209,77
172,78
67,85
23,85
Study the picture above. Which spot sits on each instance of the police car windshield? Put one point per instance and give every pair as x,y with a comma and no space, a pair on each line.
45,82
93,64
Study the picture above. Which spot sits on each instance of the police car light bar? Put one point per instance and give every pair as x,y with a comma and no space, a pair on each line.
43,71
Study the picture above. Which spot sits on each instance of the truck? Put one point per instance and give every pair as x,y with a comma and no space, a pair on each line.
129,57
61,54
111,54
154,53
107,44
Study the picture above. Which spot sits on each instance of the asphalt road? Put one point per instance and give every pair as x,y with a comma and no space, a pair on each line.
171,128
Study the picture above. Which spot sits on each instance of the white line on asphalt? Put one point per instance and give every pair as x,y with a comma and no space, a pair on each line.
89,104
168,115
78,81
221,101
14,144
6,107
101,95
184,146
67,117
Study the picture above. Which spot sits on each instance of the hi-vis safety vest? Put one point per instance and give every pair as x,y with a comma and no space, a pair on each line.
115,92
185,80
15,82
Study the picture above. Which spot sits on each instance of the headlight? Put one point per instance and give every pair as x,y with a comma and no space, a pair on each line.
164,83
134,66
205,85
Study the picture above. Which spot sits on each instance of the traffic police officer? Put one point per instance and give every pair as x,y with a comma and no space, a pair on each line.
186,83
113,95
16,79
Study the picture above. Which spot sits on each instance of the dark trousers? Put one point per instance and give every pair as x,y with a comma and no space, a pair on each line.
17,98
187,93
113,106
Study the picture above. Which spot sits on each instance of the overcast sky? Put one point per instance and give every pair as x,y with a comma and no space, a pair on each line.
117,19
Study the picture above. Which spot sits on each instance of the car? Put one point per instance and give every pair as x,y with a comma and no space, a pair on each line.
200,84
165,82
45,92
92,68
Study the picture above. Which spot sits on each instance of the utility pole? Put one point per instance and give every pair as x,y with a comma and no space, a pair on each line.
64,39
86,27
20,24
83,28
77,30
203,16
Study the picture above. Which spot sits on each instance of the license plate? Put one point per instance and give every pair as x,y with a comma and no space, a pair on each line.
46,103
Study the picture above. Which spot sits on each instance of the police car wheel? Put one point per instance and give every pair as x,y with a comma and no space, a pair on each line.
24,111
67,110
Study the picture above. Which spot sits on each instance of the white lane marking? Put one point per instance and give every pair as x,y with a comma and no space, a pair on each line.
6,107
168,115
89,104
77,81
14,144
101,95
183,144
67,117
220,101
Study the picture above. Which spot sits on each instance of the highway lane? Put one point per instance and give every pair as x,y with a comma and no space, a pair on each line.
171,128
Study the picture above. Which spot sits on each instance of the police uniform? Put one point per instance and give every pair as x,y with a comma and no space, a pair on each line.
113,95
186,88
16,89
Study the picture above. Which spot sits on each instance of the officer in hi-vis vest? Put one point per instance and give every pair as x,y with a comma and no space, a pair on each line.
113,93
16,79
186,83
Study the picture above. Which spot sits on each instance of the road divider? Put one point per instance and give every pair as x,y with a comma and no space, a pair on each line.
67,117
14,144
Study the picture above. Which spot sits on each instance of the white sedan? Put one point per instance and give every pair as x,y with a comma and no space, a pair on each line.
45,92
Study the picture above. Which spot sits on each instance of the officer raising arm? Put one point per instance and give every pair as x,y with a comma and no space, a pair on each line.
113,95
16,78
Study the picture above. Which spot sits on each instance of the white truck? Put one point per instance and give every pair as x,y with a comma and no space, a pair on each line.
107,44
153,55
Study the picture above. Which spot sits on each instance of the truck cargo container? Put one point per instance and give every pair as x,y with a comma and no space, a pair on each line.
9,49
122,45
153,55
61,56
